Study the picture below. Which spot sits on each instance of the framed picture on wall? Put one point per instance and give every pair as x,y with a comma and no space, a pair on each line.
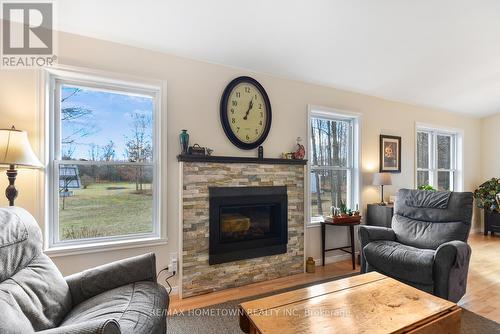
390,154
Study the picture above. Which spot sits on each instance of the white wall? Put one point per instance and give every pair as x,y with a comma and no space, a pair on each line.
490,147
194,89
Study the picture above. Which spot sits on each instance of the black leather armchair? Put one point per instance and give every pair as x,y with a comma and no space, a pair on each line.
426,244
120,297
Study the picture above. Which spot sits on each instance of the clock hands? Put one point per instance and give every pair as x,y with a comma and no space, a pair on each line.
250,106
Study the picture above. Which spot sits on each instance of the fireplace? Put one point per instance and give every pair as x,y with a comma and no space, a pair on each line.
247,222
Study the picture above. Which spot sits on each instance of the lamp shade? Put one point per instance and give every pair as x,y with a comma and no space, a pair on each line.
382,179
15,149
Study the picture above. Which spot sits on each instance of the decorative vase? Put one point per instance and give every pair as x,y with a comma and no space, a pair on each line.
184,140
310,265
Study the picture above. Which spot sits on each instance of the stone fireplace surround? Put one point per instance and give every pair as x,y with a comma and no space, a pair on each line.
197,174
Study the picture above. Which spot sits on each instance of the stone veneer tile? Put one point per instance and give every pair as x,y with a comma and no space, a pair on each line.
198,276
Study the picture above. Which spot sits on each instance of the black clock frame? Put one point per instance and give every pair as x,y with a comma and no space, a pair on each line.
225,121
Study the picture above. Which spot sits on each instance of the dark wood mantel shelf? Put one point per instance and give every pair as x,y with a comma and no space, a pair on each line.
248,160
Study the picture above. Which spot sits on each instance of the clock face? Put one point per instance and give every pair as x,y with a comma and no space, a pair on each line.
246,113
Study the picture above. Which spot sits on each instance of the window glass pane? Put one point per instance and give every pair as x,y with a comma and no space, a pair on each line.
100,201
445,180
330,142
444,152
328,188
98,125
422,178
423,150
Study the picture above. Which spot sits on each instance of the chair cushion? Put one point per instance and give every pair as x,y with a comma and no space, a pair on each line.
459,208
33,294
401,261
429,235
138,308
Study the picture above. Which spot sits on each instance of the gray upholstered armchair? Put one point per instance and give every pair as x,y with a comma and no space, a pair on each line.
426,246
120,297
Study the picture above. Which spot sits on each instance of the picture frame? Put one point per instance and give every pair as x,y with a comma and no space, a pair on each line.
390,154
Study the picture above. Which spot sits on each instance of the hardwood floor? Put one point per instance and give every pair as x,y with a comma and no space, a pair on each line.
482,297
483,284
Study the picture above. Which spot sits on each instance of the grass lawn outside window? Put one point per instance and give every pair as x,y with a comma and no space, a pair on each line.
105,209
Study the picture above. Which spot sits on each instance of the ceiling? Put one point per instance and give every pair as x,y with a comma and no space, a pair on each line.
437,53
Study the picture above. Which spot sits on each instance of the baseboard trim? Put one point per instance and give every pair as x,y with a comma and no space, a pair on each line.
335,258
477,230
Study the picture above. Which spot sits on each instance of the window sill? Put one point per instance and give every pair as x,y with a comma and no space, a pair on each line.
103,246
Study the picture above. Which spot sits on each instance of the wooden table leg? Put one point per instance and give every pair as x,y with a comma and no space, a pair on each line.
244,321
323,244
351,230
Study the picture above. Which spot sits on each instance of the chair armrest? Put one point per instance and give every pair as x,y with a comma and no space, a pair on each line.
368,234
89,327
451,265
96,280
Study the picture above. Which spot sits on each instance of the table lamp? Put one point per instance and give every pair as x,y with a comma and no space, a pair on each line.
382,179
15,151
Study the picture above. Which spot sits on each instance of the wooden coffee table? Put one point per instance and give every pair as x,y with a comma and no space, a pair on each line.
370,303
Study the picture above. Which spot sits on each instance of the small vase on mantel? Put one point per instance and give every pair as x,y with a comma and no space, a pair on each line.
184,140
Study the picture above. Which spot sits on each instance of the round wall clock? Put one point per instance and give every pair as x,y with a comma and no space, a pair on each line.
245,113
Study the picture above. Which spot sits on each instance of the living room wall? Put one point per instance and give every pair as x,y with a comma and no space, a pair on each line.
194,89
490,146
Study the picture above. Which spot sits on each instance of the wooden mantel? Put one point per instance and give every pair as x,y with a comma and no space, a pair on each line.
225,159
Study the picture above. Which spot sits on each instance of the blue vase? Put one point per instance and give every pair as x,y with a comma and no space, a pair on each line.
184,140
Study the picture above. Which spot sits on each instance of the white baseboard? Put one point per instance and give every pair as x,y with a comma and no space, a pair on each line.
477,230
336,258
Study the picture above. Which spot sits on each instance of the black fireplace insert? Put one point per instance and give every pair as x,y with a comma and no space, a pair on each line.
247,222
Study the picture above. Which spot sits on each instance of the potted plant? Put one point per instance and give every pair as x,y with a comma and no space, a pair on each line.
486,196
343,209
426,187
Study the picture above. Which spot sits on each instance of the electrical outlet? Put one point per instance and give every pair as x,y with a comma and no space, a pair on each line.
173,264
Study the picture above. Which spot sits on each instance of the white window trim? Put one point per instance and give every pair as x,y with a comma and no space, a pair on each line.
331,113
91,78
457,153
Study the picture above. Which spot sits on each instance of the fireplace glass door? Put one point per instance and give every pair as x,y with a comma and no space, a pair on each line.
239,223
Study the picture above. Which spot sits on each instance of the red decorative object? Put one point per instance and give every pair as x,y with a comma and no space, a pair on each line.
300,153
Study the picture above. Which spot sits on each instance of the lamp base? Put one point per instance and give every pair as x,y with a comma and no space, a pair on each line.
382,195
11,191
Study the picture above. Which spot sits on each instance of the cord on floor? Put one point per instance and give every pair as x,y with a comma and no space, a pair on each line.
166,279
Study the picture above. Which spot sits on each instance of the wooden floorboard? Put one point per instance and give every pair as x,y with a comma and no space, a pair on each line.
482,297
483,294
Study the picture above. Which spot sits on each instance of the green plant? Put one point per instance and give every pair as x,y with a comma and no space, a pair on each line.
486,195
426,187
343,207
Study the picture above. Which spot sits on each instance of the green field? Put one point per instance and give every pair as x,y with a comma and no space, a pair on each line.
105,209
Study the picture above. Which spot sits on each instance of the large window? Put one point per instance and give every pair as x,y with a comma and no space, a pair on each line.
332,162
437,159
104,162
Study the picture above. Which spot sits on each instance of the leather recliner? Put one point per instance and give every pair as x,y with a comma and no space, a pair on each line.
120,297
426,246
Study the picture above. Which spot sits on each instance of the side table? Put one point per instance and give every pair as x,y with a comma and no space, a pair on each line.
348,222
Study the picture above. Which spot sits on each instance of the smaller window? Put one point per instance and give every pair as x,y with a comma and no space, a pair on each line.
437,152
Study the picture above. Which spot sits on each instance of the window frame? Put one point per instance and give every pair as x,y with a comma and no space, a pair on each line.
53,80
456,161
354,157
